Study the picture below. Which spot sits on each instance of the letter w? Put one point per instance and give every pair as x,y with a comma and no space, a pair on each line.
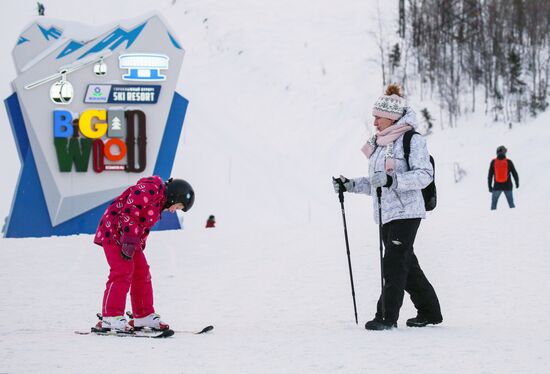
73,152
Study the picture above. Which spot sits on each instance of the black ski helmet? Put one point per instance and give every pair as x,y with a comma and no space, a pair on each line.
179,191
501,149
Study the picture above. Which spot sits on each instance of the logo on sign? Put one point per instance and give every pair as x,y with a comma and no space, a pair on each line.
97,93
143,66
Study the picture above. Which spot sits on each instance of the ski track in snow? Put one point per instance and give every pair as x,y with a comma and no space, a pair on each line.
266,129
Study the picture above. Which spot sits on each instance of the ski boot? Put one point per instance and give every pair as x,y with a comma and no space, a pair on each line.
380,324
421,321
117,323
150,322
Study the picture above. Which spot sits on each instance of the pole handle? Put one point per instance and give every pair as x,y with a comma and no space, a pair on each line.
341,188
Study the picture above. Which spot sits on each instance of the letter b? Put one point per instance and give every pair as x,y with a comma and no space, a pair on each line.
62,124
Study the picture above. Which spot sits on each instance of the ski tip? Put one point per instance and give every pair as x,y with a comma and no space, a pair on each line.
206,329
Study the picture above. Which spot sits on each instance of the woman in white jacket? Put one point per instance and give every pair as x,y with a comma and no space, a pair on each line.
402,208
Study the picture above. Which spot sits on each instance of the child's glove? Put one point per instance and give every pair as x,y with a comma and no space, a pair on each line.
129,246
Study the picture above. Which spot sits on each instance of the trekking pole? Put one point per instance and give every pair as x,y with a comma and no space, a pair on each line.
382,297
341,198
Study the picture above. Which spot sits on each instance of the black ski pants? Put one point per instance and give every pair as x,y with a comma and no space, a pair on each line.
403,273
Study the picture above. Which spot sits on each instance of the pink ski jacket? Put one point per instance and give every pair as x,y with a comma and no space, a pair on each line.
133,213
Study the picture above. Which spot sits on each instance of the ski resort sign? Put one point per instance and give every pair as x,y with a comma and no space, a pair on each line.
91,113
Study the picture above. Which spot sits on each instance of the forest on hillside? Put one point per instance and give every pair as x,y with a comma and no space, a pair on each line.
458,51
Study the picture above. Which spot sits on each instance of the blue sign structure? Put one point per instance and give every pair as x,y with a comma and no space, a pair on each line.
79,155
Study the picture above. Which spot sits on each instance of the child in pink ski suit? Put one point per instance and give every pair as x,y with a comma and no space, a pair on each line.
122,232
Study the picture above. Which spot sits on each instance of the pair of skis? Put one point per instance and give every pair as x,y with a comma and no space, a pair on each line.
145,333
132,334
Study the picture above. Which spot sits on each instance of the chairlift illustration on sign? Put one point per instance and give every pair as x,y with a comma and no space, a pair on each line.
143,66
62,91
100,67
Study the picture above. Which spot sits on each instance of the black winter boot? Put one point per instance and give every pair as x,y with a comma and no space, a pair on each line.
379,324
421,321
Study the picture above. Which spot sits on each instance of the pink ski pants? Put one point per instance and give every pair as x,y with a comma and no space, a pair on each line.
127,275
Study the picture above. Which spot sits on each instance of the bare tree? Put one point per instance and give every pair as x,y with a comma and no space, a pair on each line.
457,46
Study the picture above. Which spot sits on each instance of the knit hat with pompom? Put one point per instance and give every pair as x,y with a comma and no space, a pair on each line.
391,105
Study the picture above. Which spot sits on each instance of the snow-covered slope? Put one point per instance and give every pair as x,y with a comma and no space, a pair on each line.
282,88
280,98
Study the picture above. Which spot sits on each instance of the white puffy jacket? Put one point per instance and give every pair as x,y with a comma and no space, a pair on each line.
403,199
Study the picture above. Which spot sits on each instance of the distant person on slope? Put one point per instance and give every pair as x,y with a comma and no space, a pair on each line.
499,171
122,232
402,209
41,9
211,222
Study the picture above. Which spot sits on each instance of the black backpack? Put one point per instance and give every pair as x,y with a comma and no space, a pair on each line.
429,193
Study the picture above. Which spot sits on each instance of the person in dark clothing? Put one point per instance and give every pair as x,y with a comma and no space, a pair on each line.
41,8
211,222
499,171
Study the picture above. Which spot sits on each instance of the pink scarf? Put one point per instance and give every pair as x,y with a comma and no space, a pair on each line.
386,138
